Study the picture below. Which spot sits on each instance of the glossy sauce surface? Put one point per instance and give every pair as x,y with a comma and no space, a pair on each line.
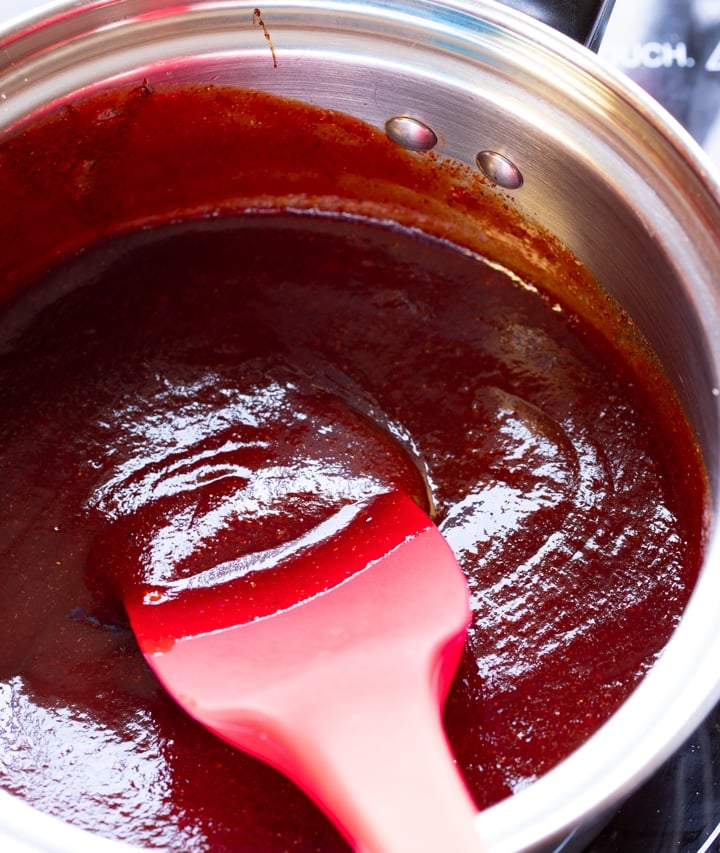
179,399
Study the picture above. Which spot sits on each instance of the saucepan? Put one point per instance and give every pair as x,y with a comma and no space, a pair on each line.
564,141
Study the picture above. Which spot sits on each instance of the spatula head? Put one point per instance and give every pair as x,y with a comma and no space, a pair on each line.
369,623
348,544
387,580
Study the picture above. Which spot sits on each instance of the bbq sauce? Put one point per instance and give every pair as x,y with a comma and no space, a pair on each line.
181,398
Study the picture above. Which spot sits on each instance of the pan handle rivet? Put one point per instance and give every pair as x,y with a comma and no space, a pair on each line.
499,170
411,133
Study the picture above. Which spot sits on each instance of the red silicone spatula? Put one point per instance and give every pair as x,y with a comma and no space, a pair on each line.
340,687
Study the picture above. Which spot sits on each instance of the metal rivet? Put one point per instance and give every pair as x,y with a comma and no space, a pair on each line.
411,133
499,170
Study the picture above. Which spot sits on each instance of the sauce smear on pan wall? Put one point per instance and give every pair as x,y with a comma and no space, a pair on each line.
302,327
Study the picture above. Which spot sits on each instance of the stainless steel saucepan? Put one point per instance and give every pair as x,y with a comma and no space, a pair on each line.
572,144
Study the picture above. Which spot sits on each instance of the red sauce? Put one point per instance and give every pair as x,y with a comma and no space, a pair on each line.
181,398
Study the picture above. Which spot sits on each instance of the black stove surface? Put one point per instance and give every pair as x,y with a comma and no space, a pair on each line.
672,49
678,809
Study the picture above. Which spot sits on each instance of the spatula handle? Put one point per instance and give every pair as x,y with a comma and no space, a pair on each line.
378,762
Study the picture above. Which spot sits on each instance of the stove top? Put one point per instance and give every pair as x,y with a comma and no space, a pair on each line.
678,809
672,49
